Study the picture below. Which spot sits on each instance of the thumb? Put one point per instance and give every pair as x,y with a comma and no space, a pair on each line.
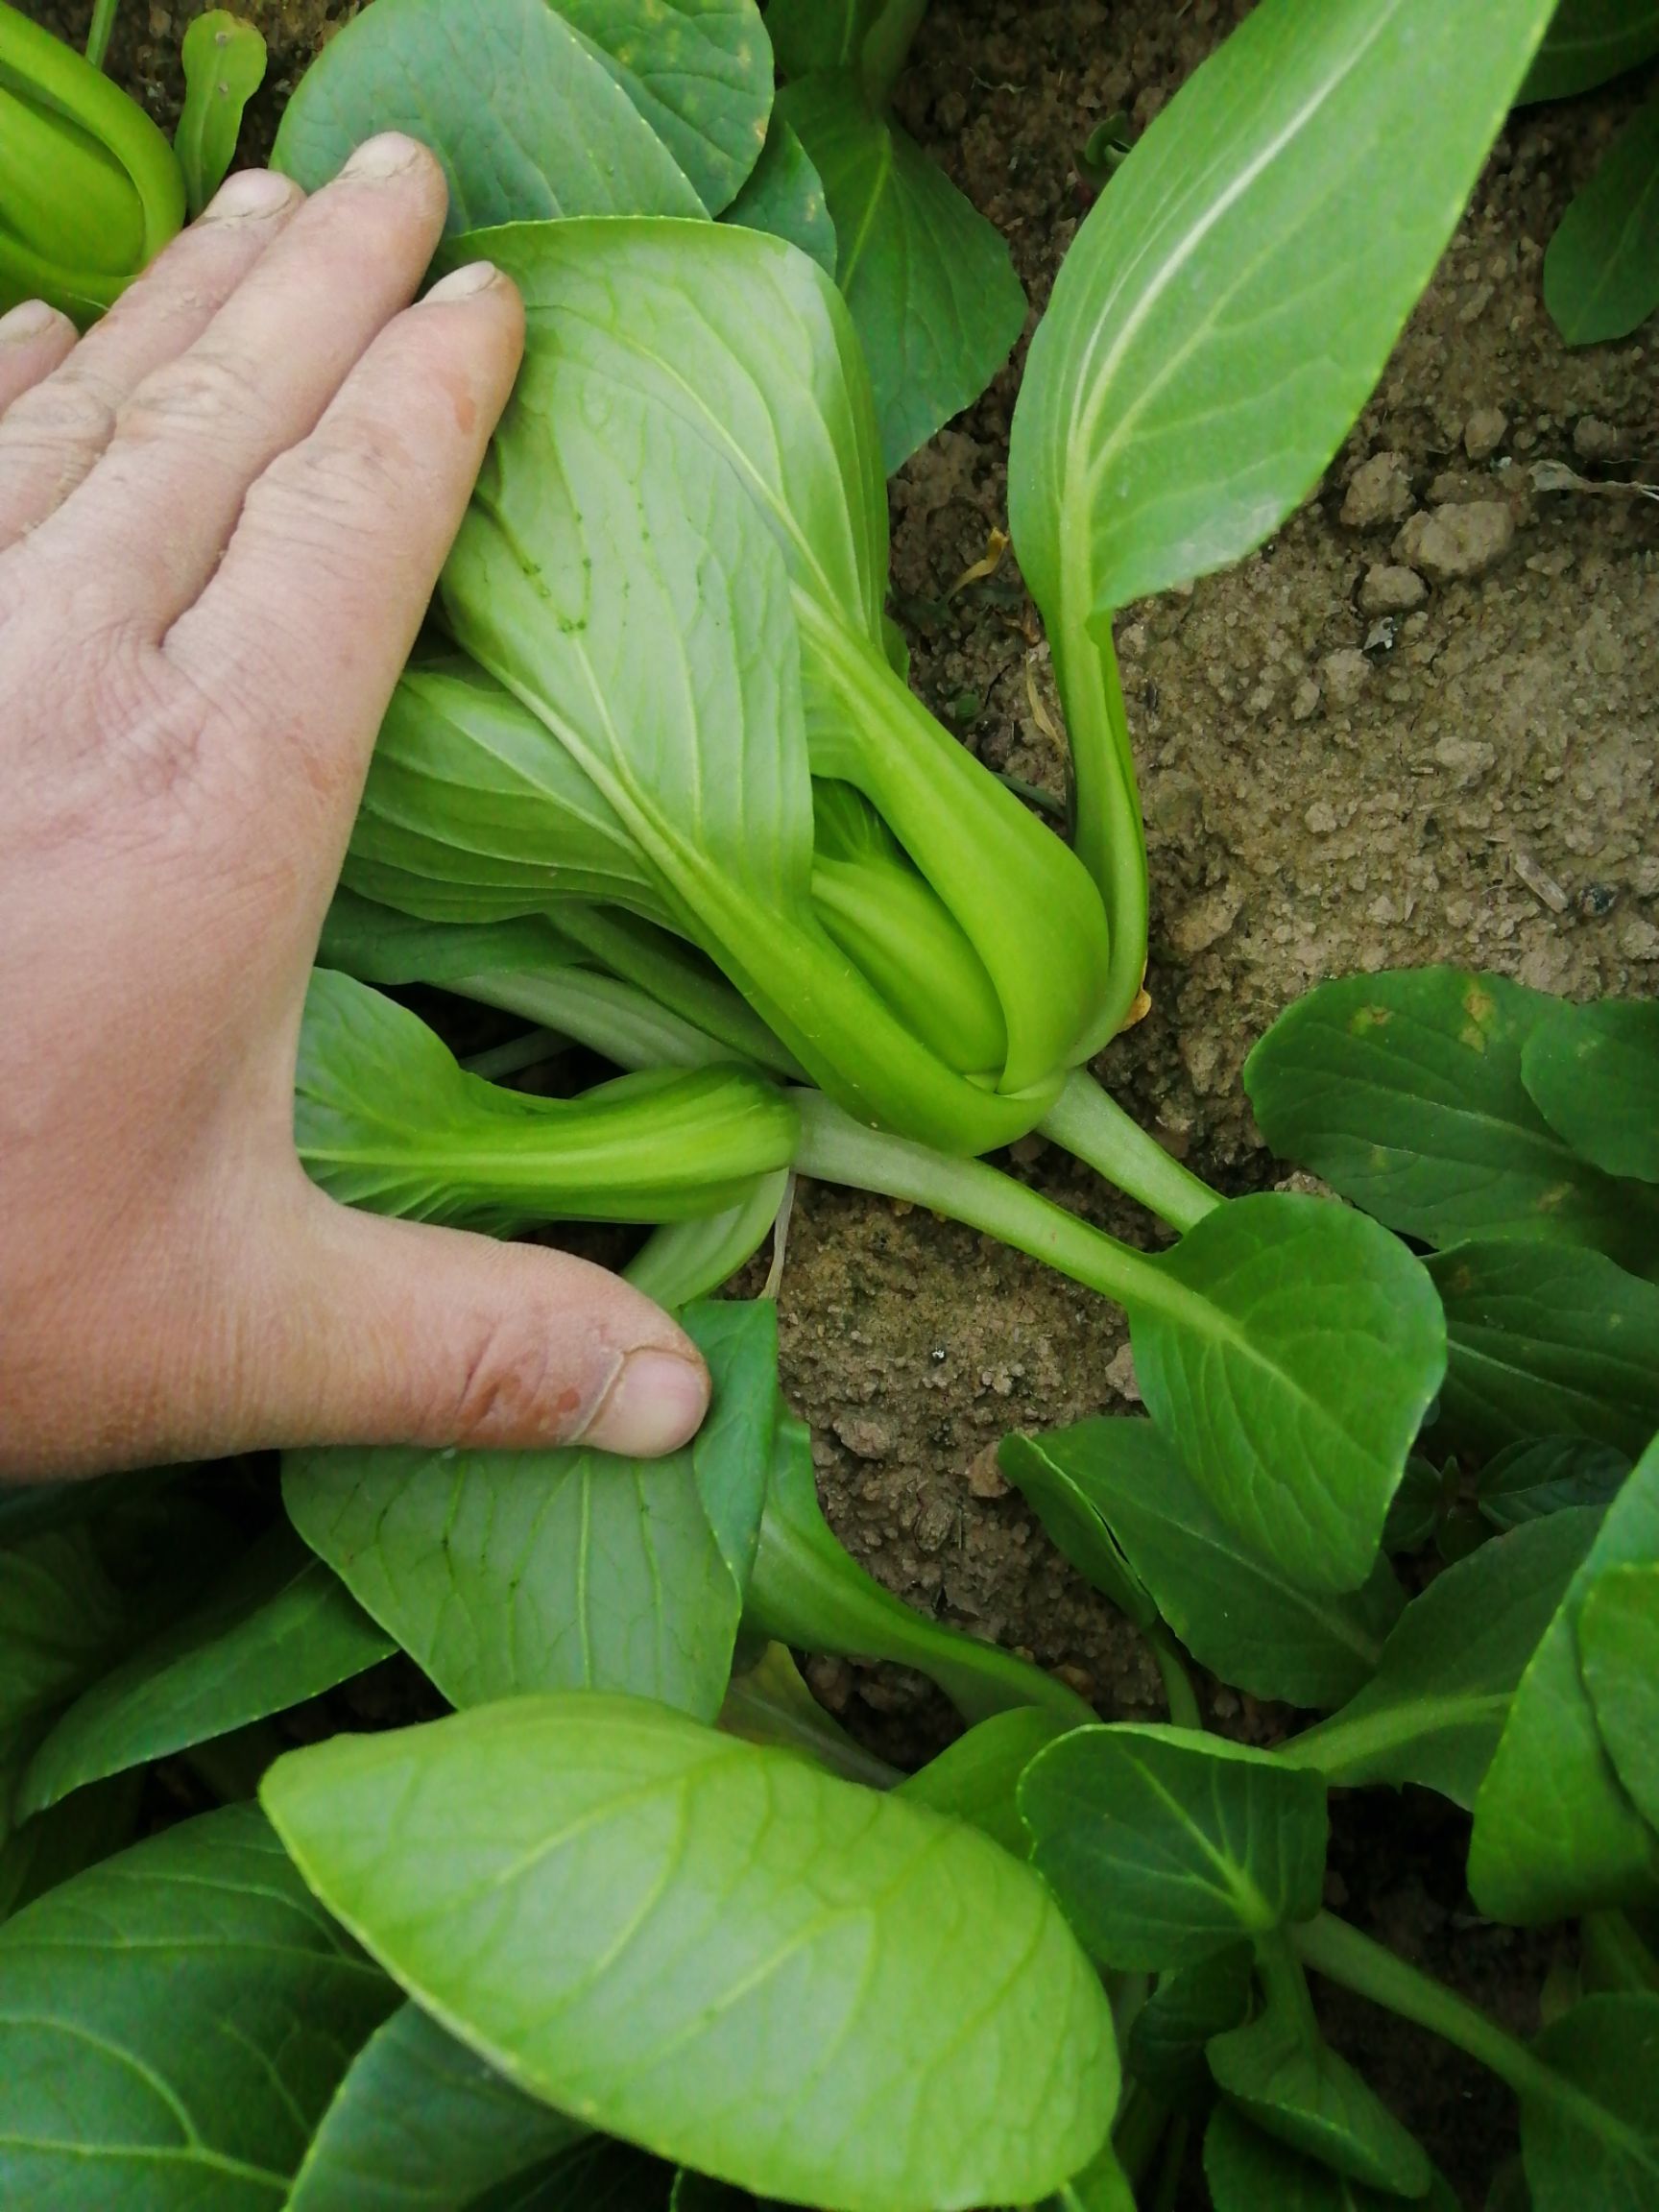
412,1335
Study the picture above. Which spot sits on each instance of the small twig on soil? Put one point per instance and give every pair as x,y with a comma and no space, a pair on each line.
1556,477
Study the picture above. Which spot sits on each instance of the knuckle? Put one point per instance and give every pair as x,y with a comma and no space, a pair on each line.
321,492
199,393
511,1382
60,425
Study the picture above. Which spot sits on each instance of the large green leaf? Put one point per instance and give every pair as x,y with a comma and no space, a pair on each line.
1587,42
278,1629
1524,1482
784,195
1602,267
1619,1658
1249,2172
1600,2147
172,2024
1216,328
1282,2074
1593,1073
669,1932
1545,1341
1186,2008
51,1848
422,2124
1229,303
930,283
1554,1833
506,1572
1293,1376
1056,1474
1237,1611
1436,1707
547,108
1165,1847
1405,1091
811,34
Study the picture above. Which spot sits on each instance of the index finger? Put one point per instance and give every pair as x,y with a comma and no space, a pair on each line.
302,635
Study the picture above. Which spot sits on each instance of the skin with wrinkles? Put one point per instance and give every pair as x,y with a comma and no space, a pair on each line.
221,518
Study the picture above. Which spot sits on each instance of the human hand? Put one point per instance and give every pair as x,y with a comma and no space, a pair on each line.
222,514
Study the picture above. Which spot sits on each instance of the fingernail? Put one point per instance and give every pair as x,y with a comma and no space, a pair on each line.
466,283
654,1405
250,192
29,320
390,154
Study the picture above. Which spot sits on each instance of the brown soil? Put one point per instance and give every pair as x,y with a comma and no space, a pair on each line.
1474,783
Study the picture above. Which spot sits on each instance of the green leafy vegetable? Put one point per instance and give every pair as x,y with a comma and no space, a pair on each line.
930,283
784,195
1280,2071
385,1118
1237,1611
62,1619
502,1572
547,108
1165,1847
977,1778
1167,2043
1437,1704
1525,1480
958,2045
1619,1658
1602,267
1545,1342
1553,1831
1248,2170
1411,1093
1601,2148
1593,1073
224,67
89,190
276,1631
191,2007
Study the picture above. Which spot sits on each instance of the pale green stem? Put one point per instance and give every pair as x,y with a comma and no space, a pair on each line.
1177,1683
1106,828
98,38
531,1050
834,1148
1091,1124
1343,1955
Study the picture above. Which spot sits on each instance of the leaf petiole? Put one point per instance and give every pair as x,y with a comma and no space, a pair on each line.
1091,1124
98,37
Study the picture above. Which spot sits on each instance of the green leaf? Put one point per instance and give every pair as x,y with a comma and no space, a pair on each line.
1237,1612
769,1703
597,2176
1589,41
807,1592
420,2123
1602,267
784,195
1593,1073
506,1572
1407,1093
223,62
60,1624
1554,1833
1289,2081
1297,1380
1525,1481
1603,2148
53,1846
1545,1342
1437,1705
1166,2050
666,1932
1248,2170
1102,2186
978,1778
1056,1475
276,1631
386,1119
813,34
1229,303
929,282
172,2026
1419,1505
540,108
1165,1847
1619,1658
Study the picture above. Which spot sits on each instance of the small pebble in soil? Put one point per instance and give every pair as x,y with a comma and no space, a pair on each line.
1638,941
1454,545
1594,440
1485,432
1379,492
1540,882
1644,878
1390,589
1596,901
